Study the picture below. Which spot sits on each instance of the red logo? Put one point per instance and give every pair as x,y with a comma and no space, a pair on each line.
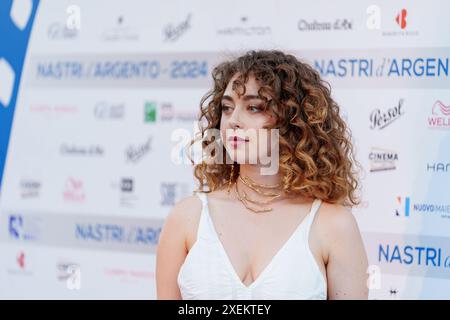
21,260
401,18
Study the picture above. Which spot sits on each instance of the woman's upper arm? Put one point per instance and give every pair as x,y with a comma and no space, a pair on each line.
171,251
347,260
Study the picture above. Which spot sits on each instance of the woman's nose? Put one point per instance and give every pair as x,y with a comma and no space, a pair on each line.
235,121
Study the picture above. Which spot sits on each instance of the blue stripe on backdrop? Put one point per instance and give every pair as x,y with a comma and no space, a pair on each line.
15,29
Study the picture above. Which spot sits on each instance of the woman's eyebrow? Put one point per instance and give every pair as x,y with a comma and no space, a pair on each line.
245,98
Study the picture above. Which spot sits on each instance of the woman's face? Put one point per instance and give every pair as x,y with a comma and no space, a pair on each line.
243,123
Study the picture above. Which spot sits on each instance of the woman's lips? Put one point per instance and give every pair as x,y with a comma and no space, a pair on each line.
236,138
236,141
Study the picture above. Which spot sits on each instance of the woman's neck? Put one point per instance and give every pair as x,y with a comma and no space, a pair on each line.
254,173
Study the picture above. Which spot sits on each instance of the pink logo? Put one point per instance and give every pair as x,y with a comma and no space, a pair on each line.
438,106
440,117
74,191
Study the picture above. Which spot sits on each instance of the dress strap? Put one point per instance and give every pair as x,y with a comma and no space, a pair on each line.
203,228
314,208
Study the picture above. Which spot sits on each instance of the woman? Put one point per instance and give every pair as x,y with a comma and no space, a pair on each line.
285,235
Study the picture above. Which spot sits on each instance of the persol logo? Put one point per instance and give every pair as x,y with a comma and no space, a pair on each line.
135,153
381,119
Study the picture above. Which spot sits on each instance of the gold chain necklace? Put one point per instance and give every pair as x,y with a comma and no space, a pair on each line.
257,188
255,210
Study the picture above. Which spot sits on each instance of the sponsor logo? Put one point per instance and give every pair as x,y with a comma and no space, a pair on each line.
126,185
134,154
150,112
128,275
74,190
406,207
438,167
20,267
382,159
21,260
24,228
244,28
343,24
381,119
105,110
402,25
172,191
440,116
60,31
82,151
120,32
174,32
167,112
127,196
46,109
401,18
29,188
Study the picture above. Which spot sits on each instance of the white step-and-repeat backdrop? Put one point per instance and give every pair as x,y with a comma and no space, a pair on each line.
91,93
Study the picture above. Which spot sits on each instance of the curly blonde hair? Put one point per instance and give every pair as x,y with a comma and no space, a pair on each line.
316,156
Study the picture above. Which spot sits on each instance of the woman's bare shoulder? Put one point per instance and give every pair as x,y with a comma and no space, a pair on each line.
336,217
337,225
186,210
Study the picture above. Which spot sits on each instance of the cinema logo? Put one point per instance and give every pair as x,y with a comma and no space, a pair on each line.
381,119
440,116
382,159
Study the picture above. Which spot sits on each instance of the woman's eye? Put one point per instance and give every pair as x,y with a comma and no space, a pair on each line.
254,109
225,108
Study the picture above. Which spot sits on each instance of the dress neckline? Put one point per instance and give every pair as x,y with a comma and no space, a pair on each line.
266,269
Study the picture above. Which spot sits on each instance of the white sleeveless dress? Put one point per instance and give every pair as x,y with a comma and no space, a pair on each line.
293,273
